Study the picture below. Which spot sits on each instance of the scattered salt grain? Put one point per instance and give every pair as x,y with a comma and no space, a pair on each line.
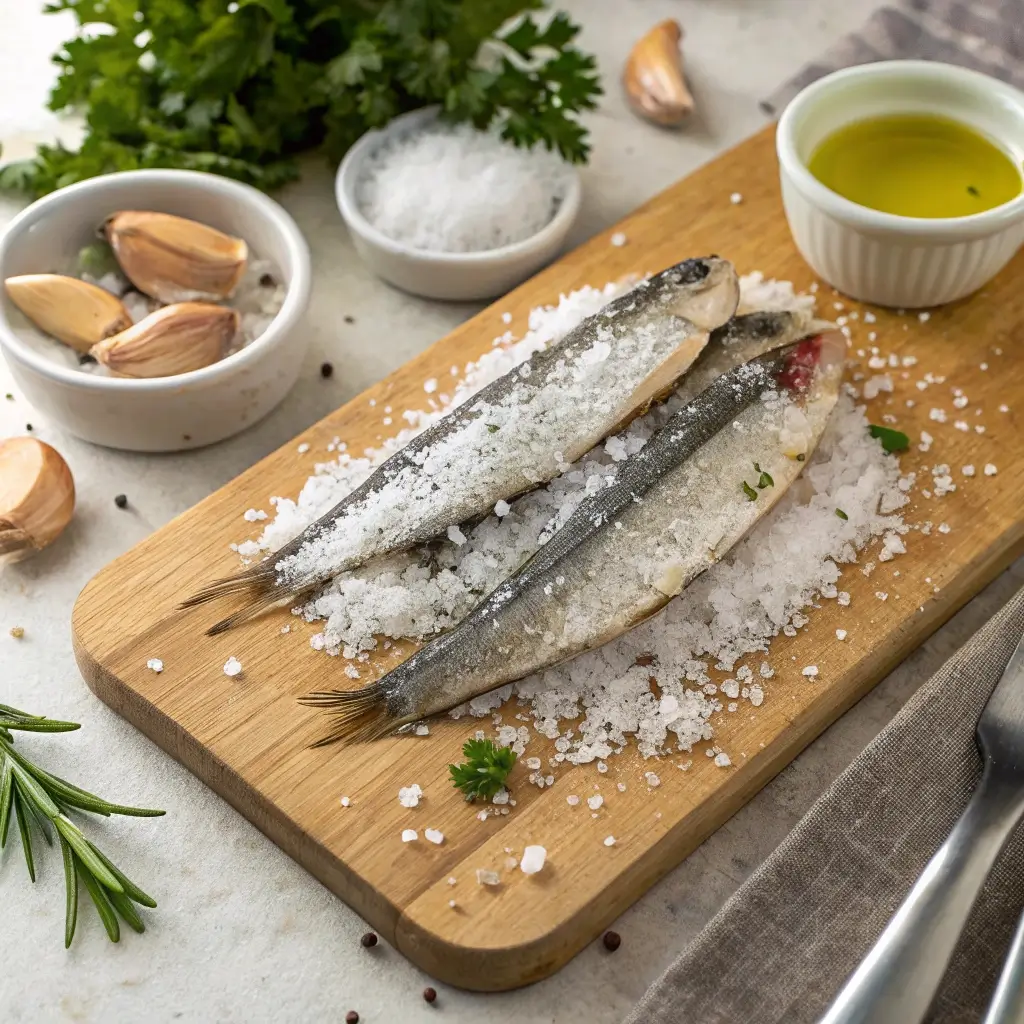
409,835
595,801
303,448
869,317
609,840
409,796
254,515
736,198
502,508
841,634
572,800
422,729
618,239
345,802
990,469
486,877
881,595
809,670
232,666
924,317
943,527
620,786
756,696
722,760
533,860
155,665
967,470
432,835
456,536
430,385
501,797
652,780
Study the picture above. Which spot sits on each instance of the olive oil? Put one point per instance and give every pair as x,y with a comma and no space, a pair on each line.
916,165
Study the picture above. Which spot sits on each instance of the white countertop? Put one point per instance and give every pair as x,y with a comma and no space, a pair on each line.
242,933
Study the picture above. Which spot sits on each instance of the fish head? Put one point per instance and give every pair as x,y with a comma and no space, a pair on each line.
703,291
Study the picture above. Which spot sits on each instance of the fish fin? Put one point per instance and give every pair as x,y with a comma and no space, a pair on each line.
258,584
359,715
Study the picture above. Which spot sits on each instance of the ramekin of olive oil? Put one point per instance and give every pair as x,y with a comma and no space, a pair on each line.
916,165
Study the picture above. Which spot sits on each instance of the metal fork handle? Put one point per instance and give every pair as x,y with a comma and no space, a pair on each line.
1008,1001
897,981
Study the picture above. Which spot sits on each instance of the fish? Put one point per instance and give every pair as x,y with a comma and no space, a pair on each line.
675,508
514,434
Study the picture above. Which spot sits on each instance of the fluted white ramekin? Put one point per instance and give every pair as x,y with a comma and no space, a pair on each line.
880,257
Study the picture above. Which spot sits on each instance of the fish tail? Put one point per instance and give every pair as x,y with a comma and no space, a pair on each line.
259,585
359,715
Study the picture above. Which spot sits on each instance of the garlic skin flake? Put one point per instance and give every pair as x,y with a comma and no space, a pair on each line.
37,497
72,311
175,339
653,76
174,259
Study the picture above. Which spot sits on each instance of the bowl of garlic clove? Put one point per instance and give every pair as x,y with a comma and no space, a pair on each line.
154,310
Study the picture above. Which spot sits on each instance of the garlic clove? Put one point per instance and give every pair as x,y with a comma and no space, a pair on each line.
653,76
174,259
175,339
37,497
72,311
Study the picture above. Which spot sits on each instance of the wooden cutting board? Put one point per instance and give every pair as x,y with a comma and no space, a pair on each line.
249,740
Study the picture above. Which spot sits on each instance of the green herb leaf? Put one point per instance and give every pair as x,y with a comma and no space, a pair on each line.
842,515
749,491
892,440
242,92
33,796
493,428
765,480
484,771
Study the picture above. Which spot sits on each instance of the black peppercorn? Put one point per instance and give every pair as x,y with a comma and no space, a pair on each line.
326,370
369,940
612,941
121,500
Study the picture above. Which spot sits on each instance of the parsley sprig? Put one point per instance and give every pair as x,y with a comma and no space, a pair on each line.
240,88
484,771
42,803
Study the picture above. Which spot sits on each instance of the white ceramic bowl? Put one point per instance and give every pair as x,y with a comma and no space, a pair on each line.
445,275
162,413
880,257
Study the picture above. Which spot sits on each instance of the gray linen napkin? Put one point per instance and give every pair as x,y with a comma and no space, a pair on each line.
987,35
785,942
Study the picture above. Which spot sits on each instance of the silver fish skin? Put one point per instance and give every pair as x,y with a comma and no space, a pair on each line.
676,508
509,437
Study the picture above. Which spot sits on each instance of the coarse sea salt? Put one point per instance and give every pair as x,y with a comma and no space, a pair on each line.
433,835
592,705
409,796
452,188
533,860
232,667
155,665
409,835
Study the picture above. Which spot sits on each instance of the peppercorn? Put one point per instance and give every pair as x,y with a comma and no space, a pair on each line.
121,500
429,994
351,1017
369,940
612,941
326,370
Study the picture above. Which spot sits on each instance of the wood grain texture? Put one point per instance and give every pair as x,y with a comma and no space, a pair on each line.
249,740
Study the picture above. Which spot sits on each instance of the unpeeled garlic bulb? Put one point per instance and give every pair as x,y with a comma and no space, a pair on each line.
653,76
175,339
37,497
174,259
72,311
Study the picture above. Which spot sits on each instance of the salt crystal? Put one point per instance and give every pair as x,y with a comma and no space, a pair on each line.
967,470
652,780
620,786
432,835
409,835
487,877
303,448
532,763
232,667
409,796
456,536
943,527
960,402
502,508
595,801
572,800
809,670
841,634
452,904
345,802
924,317
422,729
609,840
618,239
501,797
155,665
736,198
881,595
533,860
254,515
722,760
756,696
430,385
990,469
869,317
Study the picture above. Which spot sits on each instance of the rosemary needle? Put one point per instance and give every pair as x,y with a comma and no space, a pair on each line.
41,803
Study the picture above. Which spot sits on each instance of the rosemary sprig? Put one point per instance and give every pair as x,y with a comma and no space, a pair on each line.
42,802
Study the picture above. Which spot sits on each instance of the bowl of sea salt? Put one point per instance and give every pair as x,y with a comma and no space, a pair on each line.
450,212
